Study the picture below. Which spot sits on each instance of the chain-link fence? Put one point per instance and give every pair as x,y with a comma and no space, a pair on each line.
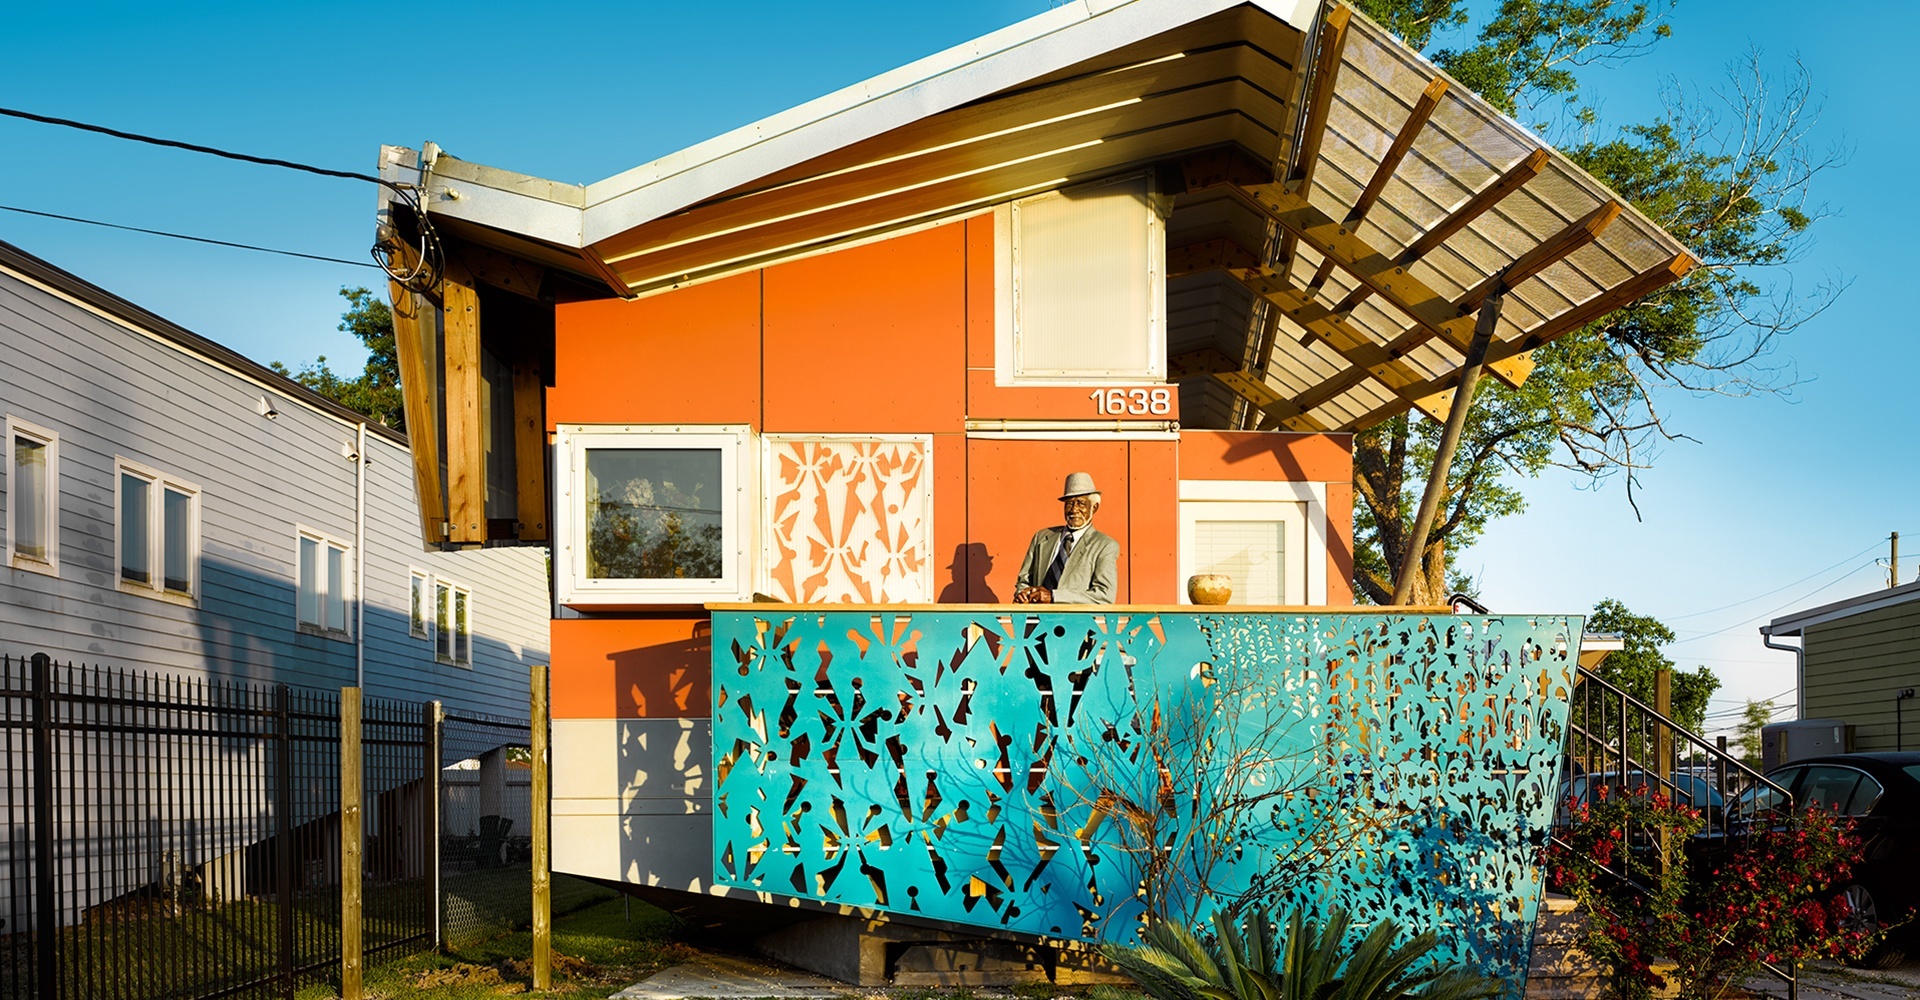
486,844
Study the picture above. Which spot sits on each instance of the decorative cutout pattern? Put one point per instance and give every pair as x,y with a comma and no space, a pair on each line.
1034,772
850,520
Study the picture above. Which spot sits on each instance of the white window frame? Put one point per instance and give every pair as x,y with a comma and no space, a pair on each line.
423,628
739,450
160,482
1300,507
325,541
50,503
1006,293
454,590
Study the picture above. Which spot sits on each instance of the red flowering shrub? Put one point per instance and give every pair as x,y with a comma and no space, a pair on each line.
1762,897
1622,860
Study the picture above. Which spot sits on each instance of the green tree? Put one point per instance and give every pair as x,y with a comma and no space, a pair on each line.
1747,733
1633,667
376,390
1728,175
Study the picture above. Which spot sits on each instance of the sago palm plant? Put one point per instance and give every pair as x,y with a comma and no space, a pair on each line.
1172,963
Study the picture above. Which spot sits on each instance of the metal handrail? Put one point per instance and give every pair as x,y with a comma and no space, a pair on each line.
1664,737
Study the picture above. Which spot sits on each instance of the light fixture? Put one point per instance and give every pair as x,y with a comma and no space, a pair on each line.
265,408
347,452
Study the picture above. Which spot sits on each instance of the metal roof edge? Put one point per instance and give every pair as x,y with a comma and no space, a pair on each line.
971,70
15,259
1797,623
530,206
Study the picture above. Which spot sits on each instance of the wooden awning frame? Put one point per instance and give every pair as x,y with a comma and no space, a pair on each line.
1302,297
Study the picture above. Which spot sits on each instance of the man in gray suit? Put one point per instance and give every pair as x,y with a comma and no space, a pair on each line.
1074,563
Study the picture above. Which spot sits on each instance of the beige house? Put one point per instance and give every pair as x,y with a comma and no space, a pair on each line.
1859,663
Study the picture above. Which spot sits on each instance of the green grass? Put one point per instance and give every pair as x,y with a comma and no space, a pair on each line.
597,952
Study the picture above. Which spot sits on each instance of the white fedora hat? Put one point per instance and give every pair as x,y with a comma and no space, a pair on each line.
1079,484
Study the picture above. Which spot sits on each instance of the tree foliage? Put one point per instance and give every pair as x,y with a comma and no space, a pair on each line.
1753,719
1728,173
1634,667
376,390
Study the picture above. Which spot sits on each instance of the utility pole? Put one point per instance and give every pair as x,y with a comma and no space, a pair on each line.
1893,565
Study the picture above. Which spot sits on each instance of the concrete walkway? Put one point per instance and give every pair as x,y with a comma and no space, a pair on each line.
727,977
1829,981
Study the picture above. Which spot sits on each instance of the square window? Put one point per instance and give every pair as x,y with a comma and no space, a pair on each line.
33,497
654,515
158,534
321,588
1081,293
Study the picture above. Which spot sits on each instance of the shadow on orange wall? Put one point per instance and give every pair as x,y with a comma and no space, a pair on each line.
968,576
641,668
669,680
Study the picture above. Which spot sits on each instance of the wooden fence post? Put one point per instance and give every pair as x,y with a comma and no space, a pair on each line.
542,856
350,834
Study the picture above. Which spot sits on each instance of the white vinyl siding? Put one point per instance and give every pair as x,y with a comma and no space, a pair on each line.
111,390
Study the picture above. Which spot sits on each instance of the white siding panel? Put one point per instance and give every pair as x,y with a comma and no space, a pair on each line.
111,391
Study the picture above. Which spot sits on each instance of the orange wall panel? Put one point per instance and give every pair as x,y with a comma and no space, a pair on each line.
1012,491
1340,543
980,278
952,572
691,355
1154,526
871,339
631,668
1268,456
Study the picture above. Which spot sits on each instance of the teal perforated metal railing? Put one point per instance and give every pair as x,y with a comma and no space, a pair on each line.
1065,773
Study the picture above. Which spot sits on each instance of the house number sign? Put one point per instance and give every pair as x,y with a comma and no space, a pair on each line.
1132,402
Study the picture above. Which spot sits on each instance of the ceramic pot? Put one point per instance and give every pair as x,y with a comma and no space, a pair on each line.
1209,588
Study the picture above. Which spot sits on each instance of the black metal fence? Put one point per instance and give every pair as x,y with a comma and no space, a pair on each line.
178,837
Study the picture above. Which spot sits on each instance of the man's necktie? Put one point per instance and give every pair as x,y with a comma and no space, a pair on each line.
1059,567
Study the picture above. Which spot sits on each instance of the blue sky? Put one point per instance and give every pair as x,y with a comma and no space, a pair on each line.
1782,503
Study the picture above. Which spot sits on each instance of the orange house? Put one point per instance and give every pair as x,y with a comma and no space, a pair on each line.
846,355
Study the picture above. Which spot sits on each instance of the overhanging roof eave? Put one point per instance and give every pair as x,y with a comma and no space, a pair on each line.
1798,622
576,217
1045,43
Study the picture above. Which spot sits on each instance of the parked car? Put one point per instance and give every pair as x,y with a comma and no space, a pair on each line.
1682,786
1881,792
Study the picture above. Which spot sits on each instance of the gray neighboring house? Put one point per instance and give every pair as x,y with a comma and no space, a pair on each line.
1856,657
171,506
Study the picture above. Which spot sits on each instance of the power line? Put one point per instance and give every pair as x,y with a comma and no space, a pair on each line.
183,236
1776,590
195,147
421,275
1745,621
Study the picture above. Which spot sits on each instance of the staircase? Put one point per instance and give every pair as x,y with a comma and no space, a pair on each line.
1559,970
1615,739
